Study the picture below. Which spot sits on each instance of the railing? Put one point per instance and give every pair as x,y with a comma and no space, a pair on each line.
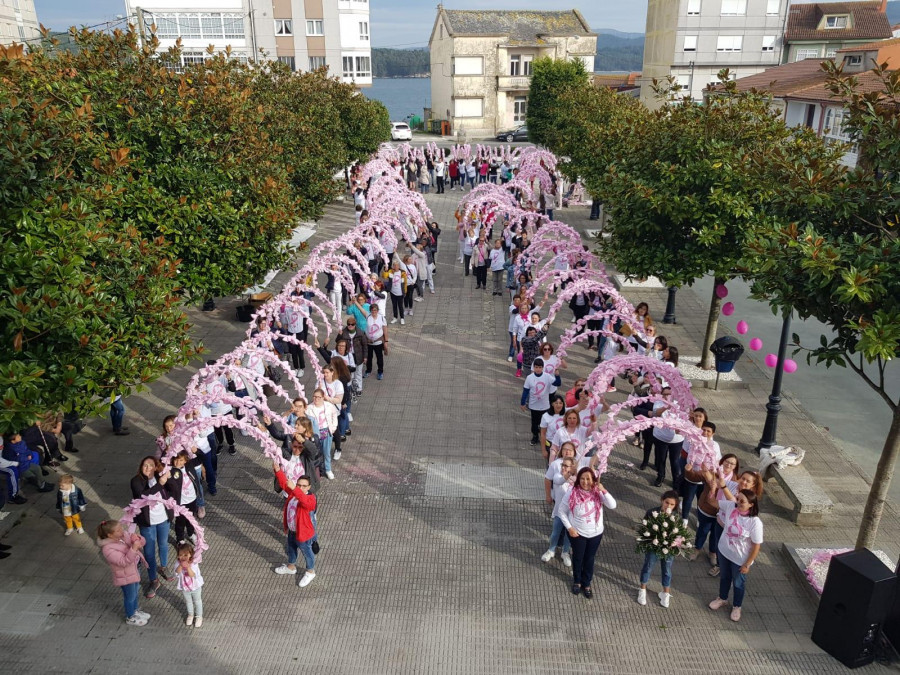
509,83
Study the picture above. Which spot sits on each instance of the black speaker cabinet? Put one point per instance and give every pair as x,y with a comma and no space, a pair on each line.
892,625
855,603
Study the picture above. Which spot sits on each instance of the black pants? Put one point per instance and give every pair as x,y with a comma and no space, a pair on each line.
580,311
595,210
378,351
397,305
298,357
453,181
481,276
440,185
647,438
593,325
68,429
536,416
182,525
408,296
223,433
673,452
467,259
584,550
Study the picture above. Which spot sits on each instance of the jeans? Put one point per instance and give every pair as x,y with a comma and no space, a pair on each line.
343,420
117,414
326,451
424,188
156,536
294,548
731,574
584,550
357,381
559,530
498,281
595,209
673,451
512,345
378,352
194,601
689,492
211,464
130,596
199,471
665,565
705,527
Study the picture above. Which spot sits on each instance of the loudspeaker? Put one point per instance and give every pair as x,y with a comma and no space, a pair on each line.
892,625
857,597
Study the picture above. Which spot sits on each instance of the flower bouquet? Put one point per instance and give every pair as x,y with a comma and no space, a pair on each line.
663,534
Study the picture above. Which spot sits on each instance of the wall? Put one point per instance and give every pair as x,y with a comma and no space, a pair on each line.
659,46
441,50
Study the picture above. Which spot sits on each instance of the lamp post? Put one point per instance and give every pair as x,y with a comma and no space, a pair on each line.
669,316
773,407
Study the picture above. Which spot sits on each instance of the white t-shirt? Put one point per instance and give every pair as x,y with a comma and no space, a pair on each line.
587,521
498,258
188,493
157,511
333,389
412,273
520,325
560,493
663,434
584,419
396,280
551,365
552,423
375,329
576,437
739,533
540,387
513,313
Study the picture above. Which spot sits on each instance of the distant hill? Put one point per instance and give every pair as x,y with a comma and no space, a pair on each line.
621,34
893,12
618,51
400,62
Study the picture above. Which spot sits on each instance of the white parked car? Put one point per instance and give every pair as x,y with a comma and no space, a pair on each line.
400,131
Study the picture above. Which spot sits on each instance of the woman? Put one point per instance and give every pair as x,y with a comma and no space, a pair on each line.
728,489
690,487
334,390
326,418
342,376
738,547
551,422
571,432
562,486
377,332
708,508
552,363
582,516
153,521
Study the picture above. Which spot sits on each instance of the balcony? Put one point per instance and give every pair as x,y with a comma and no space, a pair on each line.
513,83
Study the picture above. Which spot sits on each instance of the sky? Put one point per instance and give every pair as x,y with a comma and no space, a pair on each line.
395,23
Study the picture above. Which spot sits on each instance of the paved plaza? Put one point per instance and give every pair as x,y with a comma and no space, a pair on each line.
431,533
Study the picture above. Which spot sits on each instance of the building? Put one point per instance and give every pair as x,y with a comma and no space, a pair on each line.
18,21
692,40
821,29
622,83
481,63
305,34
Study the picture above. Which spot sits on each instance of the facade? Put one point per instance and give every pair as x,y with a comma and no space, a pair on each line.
305,34
692,40
18,21
481,63
820,30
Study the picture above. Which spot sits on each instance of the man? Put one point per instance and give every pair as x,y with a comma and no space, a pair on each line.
536,396
439,169
498,261
359,344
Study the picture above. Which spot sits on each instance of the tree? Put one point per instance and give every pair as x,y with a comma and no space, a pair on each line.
551,81
827,247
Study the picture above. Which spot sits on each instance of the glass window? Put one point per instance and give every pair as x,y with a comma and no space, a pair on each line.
836,21
831,52
316,62
734,7
189,25
773,7
807,54
526,64
468,65
520,108
363,66
166,26
315,27
364,31
853,60
288,61
211,26
284,26
693,7
729,43
347,67
690,43
191,57
768,43
515,63
468,107
234,26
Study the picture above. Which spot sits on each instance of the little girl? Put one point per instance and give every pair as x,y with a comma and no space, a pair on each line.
190,583
70,503
668,504
122,551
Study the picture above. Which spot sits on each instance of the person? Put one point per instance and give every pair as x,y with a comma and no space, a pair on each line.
298,525
358,312
359,345
666,443
397,284
562,485
582,516
190,583
691,488
668,504
530,345
122,552
70,503
424,179
738,547
27,463
327,419
467,245
153,521
377,333
470,174
536,396
8,468
498,264
453,170
41,437
728,489
480,262
205,447
223,433
117,416
439,169
708,507
571,431
184,487
551,422
293,321
512,327
419,256
412,279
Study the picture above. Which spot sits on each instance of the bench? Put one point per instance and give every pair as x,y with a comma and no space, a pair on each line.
811,505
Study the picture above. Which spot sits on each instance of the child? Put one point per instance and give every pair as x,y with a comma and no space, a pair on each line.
536,394
184,487
190,583
668,504
70,502
15,449
122,551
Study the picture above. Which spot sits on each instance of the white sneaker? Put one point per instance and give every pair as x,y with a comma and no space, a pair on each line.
420,299
548,556
329,475
432,291
409,313
611,390
642,596
80,530
350,416
136,621
337,456
509,359
189,621
142,614
300,372
198,622
70,531
306,579
403,321
394,320
684,522
284,569
664,598
567,559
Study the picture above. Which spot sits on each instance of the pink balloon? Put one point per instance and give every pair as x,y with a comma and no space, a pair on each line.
771,360
728,308
721,291
790,365
742,327
756,344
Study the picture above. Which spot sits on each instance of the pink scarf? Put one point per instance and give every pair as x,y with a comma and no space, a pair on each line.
593,498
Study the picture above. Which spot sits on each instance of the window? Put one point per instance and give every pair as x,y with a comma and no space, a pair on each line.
836,21
520,108
831,52
807,54
734,7
729,43
833,128
233,26
315,27
588,62
189,26
515,63
205,25
468,65
693,7
191,57
683,81
773,7
284,27
468,107
853,60
363,66
316,62
690,43
166,26
364,31
348,67
288,61
526,64
768,43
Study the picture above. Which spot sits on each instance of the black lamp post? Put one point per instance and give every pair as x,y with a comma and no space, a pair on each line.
669,316
773,407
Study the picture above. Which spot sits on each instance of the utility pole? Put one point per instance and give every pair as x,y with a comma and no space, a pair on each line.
142,24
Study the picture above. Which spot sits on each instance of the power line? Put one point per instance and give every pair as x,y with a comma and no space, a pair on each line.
40,38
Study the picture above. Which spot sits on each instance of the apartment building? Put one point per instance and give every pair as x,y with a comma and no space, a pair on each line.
18,21
304,34
692,40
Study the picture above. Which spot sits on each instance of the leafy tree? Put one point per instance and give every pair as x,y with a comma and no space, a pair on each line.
400,62
551,81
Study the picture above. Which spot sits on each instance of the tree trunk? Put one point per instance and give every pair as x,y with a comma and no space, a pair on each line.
881,482
712,326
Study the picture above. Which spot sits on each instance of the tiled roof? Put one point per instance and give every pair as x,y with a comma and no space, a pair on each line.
867,82
518,25
868,22
871,46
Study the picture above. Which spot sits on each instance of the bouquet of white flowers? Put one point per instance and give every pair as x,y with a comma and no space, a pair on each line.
663,534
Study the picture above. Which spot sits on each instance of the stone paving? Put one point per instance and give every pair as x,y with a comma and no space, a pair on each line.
431,533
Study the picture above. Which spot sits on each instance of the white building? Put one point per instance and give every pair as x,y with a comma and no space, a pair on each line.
481,63
18,21
692,40
305,34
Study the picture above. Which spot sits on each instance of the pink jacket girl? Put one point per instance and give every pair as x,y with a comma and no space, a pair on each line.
122,552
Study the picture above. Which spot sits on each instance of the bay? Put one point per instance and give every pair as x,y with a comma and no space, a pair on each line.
402,96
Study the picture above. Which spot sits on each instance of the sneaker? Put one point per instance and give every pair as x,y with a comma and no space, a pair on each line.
301,372
534,441
684,522
142,614
198,622
201,512
189,620
642,596
164,573
432,291
122,432
714,571
152,587
548,556
394,320
136,621
409,313
380,376
329,475
519,373
231,450
718,603
664,598
692,555
70,531
403,321
18,499
284,569
509,359
611,389
736,614
420,299
567,559
80,530
337,455
306,579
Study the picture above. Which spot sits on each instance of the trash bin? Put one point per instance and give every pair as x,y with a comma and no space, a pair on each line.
727,350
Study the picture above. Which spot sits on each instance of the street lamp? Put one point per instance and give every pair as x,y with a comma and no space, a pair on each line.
669,316
773,407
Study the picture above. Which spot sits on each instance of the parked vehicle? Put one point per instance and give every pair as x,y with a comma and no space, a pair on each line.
400,131
517,134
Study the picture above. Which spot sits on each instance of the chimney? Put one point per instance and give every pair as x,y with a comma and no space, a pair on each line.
883,9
